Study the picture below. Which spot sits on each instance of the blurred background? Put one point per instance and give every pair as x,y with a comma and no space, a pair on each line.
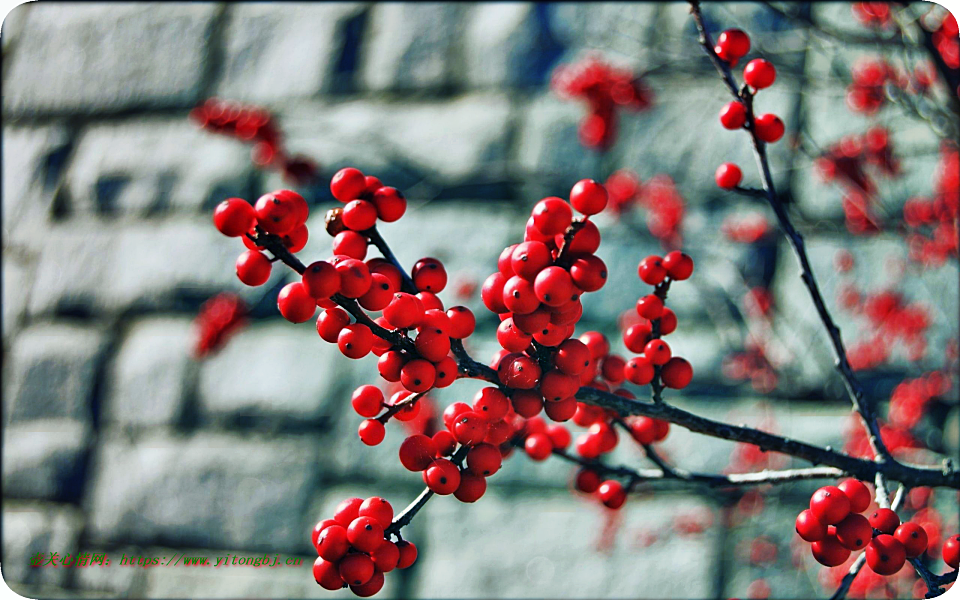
124,433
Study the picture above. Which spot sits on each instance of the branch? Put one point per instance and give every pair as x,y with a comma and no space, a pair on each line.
854,388
863,469
406,284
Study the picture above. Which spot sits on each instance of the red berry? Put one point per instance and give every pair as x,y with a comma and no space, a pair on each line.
380,265
390,364
668,322
556,385
677,373
858,494
651,270
732,44
408,554
554,287
519,297
321,280
380,293
418,375
327,574
446,372
390,204
728,176
350,243
301,208
491,404
371,587
462,322
559,436
885,520
470,428
372,184
769,127
355,340
636,337
356,569
385,557
371,432
332,544
503,262
658,351
330,322
951,551
443,477
484,460
885,554
589,273
639,370
830,505
511,338
453,411
587,481
526,403
572,357
348,184
359,215
417,452
809,528
650,307
562,410
520,372
295,240
234,217
295,304
433,344
644,429
759,73
913,537
679,266
365,533
253,267
588,197
611,368
552,215
492,292
355,279
538,446
367,400
612,494
471,488
347,511
829,552
733,115
529,258
854,532
276,214
318,528
404,311
429,276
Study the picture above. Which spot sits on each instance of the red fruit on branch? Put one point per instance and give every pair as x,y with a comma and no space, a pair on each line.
913,537
809,527
858,494
885,555
234,217
732,44
830,505
884,520
348,184
759,73
676,373
728,176
733,115
769,127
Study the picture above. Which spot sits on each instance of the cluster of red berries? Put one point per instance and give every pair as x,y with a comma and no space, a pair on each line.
745,228
732,45
945,39
910,399
834,526
605,89
255,125
219,318
846,161
659,196
933,221
893,322
354,549
872,14
865,94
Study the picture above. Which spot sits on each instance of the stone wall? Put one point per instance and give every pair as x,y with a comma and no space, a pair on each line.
116,441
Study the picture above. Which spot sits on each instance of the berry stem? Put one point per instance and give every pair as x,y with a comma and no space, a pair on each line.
405,516
384,248
563,257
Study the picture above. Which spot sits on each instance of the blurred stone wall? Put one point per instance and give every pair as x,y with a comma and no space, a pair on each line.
116,441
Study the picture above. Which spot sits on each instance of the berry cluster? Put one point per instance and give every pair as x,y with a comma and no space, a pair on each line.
354,549
255,125
759,73
945,39
659,196
872,14
865,94
933,221
835,527
605,89
219,318
846,161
